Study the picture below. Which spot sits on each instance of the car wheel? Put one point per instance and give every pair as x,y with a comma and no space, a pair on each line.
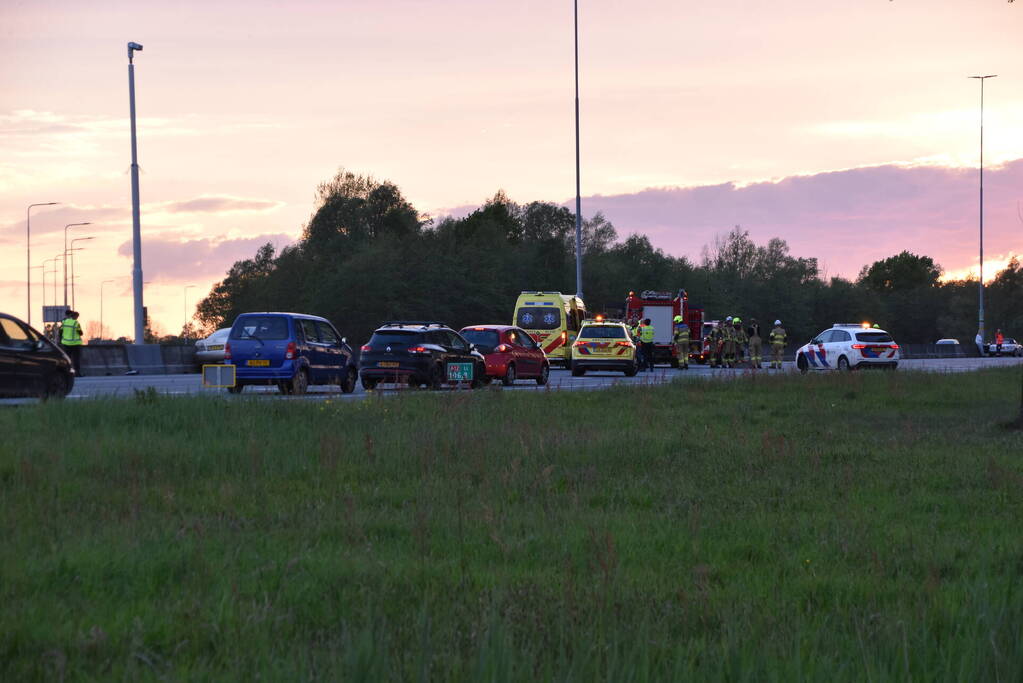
509,375
56,387
284,387
674,363
631,372
577,371
436,380
299,383
369,384
348,386
236,389
545,374
843,364
801,363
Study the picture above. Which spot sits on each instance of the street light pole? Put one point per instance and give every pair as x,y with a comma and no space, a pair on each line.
72,251
69,225
980,283
28,258
136,229
105,282
578,199
185,294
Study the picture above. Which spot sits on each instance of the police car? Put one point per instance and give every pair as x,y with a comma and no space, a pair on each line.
603,345
848,346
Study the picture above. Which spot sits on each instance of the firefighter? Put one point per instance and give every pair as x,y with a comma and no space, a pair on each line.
740,340
777,339
755,343
71,338
727,343
681,338
646,338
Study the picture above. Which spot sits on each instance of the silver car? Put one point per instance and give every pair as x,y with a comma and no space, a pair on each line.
211,349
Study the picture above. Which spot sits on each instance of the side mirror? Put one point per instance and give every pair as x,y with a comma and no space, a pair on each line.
344,340
472,347
40,345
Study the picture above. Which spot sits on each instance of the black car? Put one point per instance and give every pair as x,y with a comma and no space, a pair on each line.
30,364
420,353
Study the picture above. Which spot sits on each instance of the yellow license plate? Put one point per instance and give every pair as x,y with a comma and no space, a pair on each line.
215,347
258,363
387,364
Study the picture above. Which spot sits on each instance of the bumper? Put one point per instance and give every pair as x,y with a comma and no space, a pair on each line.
244,373
604,363
418,371
879,365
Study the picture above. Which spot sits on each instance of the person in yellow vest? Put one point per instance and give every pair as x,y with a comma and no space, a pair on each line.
646,338
634,331
777,339
71,338
681,338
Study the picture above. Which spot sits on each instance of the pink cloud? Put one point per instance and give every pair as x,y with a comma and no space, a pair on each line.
172,260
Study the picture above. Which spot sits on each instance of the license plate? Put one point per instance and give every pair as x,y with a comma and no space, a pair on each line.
460,372
258,363
215,347
387,364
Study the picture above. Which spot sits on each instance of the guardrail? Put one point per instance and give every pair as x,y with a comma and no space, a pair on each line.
99,360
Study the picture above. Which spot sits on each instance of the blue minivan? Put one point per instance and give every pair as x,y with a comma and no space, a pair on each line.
290,350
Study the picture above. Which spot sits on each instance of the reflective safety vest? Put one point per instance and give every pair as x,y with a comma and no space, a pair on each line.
70,332
646,334
682,333
778,336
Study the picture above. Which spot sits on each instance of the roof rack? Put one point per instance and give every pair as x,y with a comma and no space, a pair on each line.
413,323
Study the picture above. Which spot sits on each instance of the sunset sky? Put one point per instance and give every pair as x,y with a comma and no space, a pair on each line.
850,129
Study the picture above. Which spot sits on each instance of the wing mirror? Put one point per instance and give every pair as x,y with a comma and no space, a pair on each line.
344,340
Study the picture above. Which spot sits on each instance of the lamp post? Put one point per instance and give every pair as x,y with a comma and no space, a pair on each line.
105,282
72,251
578,199
28,257
136,229
45,271
185,294
980,283
69,225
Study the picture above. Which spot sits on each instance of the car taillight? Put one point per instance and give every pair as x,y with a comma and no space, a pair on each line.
227,351
859,346
366,347
503,348
894,346
418,349
289,352
621,343
579,343
564,335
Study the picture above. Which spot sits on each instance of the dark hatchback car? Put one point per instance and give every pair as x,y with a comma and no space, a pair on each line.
30,364
420,353
289,350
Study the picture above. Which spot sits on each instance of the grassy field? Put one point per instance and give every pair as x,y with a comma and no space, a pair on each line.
861,527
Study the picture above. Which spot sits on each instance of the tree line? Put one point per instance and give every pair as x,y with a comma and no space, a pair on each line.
367,255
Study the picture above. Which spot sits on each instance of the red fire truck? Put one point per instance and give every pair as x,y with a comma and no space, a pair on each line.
661,308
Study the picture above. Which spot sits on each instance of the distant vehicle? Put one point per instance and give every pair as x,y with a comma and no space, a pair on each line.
848,346
604,345
30,364
1010,347
949,348
510,353
211,349
420,353
290,350
661,308
553,320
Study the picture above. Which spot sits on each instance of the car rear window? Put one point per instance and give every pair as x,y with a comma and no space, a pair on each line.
602,332
485,340
538,317
874,337
262,327
395,338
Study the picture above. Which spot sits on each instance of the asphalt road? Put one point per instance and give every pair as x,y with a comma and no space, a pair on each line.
181,385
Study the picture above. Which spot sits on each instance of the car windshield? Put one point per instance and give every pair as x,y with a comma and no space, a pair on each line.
874,337
538,318
400,338
485,340
261,327
602,332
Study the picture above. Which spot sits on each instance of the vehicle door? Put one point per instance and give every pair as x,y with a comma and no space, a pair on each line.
459,349
27,363
820,357
532,357
9,361
336,355
840,345
311,347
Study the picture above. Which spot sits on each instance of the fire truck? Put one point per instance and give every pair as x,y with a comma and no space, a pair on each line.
661,308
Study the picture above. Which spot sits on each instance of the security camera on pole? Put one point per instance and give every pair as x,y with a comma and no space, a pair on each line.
136,230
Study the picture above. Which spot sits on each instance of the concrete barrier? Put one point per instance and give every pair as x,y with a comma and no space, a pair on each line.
179,359
151,359
102,360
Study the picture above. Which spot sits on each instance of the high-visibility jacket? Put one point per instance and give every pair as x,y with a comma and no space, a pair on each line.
682,333
70,332
999,338
739,335
778,336
646,334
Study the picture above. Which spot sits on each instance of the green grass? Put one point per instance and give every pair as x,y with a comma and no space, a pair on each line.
861,527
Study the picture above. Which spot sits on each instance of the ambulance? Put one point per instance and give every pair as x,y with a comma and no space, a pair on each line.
553,320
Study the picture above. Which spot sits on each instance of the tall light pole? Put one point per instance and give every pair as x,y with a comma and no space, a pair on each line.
45,271
28,258
101,285
72,252
185,324
578,199
69,225
136,229
980,283
58,257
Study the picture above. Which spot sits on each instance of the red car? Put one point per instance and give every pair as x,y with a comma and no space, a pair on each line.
510,353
